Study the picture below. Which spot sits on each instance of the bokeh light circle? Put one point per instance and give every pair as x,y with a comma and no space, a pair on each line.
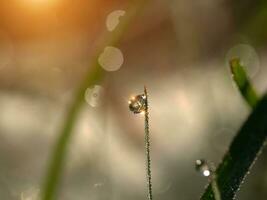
113,19
111,59
94,95
248,57
30,194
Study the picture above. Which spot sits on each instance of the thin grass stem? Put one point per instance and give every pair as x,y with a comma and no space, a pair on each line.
147,144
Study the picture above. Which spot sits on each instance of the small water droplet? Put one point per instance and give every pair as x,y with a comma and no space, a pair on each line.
113,19
137,104
111,59
93,95
203,167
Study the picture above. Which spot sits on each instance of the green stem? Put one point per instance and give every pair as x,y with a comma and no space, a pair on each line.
243,83
215,188
56,167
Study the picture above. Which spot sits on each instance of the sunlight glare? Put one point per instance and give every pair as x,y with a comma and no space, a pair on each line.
38,3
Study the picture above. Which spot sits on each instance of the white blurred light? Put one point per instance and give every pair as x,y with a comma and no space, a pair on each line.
113,19
206,172
97,185
111,59
30,194
143,113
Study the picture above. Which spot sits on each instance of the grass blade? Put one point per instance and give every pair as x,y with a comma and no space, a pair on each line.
243,83
56,167
243,151
230,165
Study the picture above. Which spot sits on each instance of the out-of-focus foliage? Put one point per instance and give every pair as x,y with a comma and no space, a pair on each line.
177,48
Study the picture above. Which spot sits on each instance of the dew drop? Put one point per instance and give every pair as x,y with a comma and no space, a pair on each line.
113,19
93,95
203,167
137,104
248,57
111,59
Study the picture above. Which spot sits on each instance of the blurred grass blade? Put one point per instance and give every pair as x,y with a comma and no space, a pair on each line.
243,151
255,26
56,167
243,83
59,153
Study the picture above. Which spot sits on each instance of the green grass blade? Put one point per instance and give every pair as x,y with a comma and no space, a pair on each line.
243,83
255,26
243,151
56,167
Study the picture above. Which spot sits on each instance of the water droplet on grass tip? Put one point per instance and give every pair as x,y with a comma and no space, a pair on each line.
137,104
203,167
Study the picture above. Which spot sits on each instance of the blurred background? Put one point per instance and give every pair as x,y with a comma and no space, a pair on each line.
178,49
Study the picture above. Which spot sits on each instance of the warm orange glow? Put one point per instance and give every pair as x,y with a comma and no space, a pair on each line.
38,3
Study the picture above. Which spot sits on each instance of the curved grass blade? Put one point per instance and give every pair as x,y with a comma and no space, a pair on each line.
243,151
243,83
215,188
245,87
56,167
254,27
